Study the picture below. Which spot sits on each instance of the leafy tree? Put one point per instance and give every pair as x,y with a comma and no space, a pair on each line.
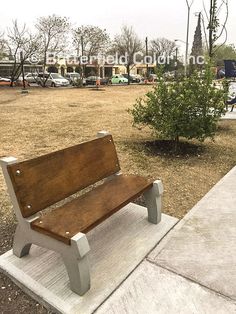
127,44
188,108
224,52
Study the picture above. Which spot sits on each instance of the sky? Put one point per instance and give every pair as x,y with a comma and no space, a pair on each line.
152,18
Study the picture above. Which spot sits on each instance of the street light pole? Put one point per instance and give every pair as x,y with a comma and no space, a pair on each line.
176,62
184,42
82,52
22,68
189,5
146,44
211,20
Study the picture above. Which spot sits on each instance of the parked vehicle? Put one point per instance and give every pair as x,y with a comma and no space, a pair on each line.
169,75
140,77
74,78
91,80
132,78
5,81
19,82
30,78
52,79
221,74
118,79
152,78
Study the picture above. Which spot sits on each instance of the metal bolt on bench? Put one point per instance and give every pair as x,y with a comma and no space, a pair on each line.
36,184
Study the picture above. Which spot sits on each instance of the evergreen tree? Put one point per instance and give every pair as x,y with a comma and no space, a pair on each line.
197,49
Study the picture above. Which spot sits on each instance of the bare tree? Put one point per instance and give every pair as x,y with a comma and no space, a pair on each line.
52,31
3,46
90,41
127,44
163,47
217,19
21,44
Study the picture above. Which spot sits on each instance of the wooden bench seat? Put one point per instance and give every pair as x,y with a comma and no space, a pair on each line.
36,184
87,211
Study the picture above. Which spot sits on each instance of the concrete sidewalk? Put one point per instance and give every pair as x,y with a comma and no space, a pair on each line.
118,245
193,270
203,245
230,115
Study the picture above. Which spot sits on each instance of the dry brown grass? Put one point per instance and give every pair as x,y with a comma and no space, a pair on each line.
51,119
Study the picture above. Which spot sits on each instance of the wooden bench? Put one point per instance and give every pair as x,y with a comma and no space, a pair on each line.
36,184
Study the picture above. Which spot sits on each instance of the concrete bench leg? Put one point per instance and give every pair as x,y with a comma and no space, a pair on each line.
153,202
21,245
77,265
78,273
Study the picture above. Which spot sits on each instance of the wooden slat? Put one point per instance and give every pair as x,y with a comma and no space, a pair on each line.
87,211
43,181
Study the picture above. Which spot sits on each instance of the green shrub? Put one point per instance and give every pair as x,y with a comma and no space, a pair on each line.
189,108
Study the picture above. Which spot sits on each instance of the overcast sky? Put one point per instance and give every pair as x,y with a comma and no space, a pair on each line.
152,18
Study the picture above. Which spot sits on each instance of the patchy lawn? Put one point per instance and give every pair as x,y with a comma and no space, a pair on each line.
52,119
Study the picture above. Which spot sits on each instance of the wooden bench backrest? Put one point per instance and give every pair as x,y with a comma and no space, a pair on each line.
43,181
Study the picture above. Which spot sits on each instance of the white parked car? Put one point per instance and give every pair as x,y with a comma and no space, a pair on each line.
52,79
31,77
74,78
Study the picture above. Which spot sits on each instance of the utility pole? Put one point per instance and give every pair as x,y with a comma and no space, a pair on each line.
176,62
187,36
82,53
146,44
22,68
211,28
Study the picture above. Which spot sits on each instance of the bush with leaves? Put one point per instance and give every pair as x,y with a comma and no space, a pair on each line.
189,108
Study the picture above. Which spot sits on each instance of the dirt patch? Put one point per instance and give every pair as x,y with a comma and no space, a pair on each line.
50,119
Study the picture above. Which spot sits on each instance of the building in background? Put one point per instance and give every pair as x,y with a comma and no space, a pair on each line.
63,67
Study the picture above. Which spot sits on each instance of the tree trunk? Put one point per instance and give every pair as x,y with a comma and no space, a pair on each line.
13,73
211,28
43,80
176,147
22,68
128,72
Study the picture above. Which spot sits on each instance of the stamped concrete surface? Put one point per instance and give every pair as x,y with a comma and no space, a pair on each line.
118,245
202,246
154,290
